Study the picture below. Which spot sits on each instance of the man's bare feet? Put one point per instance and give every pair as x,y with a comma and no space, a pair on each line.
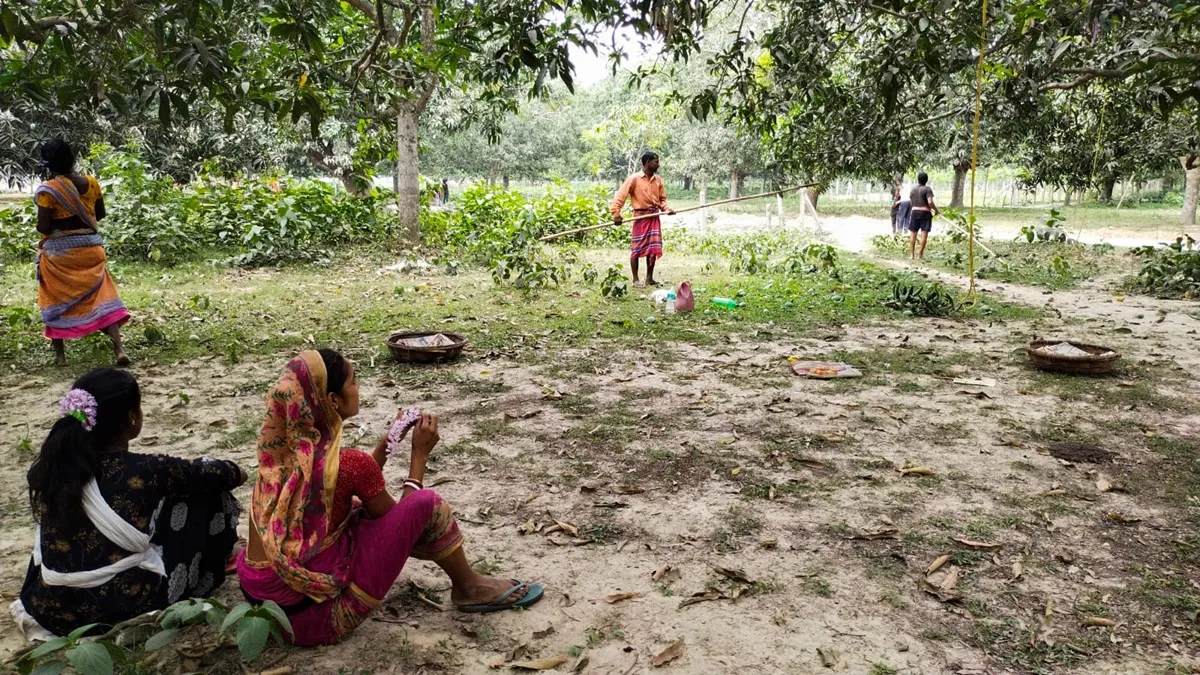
123,359
486,590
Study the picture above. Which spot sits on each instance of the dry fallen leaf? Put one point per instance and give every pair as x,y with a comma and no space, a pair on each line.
565,600
733,573
915,471
580,663
529,527
830,657
629,490
540,634
942,594
937,564
618,597
703,596
592,486
1103,484
1099,621
540,664
1123,518
669,654
1017,571
666,574
887,533
509,417
768,544
441,480
609,505
977,545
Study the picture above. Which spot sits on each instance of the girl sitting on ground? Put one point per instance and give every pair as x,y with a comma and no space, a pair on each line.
325,562
119,533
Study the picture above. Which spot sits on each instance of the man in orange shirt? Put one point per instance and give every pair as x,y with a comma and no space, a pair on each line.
646,191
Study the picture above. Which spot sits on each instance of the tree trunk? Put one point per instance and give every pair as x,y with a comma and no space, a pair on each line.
1067,197
703,189
687,183
408,178
813,194
960,180
1168,182
1191,192
735,184
505,181
1106,189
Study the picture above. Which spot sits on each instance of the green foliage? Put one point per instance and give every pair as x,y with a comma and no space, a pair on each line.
917,299
500,229
1172,270
152,218
614,284
86,657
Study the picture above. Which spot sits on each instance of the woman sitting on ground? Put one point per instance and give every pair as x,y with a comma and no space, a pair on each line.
325,562
119,533
75,291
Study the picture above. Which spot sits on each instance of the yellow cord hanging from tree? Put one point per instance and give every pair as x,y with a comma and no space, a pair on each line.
975,146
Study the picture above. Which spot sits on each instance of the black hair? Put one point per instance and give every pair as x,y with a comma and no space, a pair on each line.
922,178
58,156
70,455
648,157
336,370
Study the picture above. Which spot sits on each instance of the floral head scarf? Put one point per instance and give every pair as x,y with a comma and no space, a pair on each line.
298,450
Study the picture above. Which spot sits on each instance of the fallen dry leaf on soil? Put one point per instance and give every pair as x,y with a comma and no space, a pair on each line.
629,490
887,533
1099,621
977,545
942,594
768,543
529,527
609,505
981,395
509,417
669,654
592,486
830,658
937,564
1017,571
539,634
665,573
540,664
915,471
1123,518
580,663
733,573
618,597
441,480
703,596
565,600
1065,556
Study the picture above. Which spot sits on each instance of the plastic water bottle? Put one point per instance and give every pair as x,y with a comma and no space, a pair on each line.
725,303
670,308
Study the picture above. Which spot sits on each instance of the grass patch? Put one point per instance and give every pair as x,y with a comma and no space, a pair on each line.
738,523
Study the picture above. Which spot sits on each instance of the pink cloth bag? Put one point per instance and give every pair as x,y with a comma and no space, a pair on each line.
684,300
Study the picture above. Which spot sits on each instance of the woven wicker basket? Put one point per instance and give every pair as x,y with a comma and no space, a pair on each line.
1100,360
406,354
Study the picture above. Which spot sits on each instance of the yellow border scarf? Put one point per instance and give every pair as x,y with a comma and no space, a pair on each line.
298,452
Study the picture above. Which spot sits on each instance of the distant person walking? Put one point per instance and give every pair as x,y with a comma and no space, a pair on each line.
923,211
901,209
76,293
647,193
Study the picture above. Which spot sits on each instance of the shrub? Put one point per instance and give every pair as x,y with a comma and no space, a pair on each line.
922,299
1172,270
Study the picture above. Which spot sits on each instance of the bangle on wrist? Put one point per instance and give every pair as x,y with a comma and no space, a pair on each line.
414,484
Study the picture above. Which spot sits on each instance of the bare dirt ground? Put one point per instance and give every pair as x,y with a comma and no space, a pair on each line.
760,517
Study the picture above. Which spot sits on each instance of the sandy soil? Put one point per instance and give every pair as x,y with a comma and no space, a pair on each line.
697,459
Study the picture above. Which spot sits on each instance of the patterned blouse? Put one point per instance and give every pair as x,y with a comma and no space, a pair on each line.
136,486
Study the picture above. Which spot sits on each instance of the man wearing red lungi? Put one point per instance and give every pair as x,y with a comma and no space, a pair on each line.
645,190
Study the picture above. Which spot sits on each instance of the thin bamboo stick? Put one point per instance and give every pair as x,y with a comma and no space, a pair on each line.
690,208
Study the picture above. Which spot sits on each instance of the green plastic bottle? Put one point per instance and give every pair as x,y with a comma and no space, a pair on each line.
726,303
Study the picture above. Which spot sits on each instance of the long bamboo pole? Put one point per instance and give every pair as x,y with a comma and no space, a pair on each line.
690,208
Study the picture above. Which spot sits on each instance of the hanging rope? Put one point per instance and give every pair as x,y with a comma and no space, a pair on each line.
975,146
1095,162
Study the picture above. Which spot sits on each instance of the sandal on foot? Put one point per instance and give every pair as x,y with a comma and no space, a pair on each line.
499,605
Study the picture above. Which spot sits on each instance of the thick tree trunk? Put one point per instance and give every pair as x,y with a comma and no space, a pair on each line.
408,178
960,180
1168,181
1106,189
1191,192
1067,197
735,184
687,182
505,181
703,190
813,195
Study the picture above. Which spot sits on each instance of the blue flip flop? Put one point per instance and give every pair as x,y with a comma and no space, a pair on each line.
499,605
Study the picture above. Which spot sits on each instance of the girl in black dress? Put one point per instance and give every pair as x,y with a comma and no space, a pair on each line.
120,533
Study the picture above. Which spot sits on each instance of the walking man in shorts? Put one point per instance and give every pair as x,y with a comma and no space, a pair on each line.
921,219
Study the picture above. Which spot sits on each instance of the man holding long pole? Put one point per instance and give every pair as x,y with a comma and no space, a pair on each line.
647,193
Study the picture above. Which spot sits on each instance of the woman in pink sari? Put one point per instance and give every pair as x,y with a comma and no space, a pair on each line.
326,563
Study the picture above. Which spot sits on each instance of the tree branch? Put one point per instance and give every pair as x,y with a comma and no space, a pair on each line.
935,118
431,80
365,7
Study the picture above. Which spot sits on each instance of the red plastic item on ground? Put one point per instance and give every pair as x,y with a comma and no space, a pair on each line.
684,300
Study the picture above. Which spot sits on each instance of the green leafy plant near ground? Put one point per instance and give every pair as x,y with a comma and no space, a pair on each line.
923,299
1172,270
246,222
251,627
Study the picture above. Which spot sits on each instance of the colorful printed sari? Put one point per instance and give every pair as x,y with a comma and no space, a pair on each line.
76,293
327,576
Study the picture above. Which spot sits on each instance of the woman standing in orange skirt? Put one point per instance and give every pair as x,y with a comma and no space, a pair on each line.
76,293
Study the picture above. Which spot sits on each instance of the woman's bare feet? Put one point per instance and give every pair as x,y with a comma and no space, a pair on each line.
486,590
123,359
